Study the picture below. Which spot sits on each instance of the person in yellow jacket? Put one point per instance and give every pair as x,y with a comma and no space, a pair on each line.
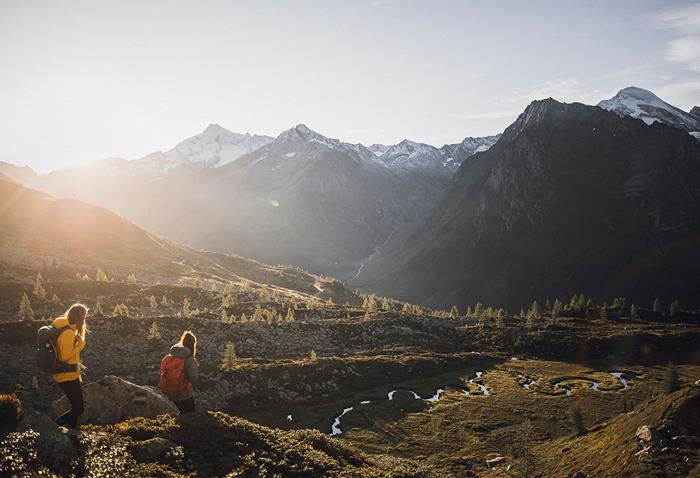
68,346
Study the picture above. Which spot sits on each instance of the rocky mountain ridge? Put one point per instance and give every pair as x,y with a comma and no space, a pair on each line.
569,194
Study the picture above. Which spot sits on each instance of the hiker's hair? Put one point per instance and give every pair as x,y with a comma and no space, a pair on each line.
187,339
76,315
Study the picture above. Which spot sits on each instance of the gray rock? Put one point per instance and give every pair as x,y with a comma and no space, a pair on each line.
54,447
112,399
644,433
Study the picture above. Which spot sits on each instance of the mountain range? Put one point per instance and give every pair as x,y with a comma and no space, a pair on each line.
568,195
301,198
571,199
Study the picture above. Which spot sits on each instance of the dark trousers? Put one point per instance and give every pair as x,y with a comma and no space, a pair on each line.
186,405
74,394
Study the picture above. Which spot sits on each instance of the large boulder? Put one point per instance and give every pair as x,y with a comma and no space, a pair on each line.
53,447
113,399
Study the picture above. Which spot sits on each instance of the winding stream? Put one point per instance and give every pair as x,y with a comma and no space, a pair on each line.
527,385
335,426
528,382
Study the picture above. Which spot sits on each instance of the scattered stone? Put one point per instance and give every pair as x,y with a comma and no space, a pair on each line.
495,461
644,433
112,399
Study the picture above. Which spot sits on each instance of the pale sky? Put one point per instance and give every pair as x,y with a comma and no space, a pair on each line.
83,80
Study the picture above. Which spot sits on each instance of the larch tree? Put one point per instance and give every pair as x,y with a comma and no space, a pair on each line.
674,308
312,356
25,308
535,308
100,276
556,308
153,302
656,307
257,314
39,290
386,305
185,307
290,315
225,319
229,361
98,312
153,333
164,301
500,317
581,301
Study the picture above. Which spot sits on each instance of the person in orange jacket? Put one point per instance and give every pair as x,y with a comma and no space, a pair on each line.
179,372
68,346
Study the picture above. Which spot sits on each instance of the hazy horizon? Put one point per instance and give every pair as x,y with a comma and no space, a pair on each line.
123,80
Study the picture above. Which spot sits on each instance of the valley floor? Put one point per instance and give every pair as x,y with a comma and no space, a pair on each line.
422,395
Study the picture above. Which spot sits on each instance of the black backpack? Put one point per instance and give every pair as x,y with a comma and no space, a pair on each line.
46,355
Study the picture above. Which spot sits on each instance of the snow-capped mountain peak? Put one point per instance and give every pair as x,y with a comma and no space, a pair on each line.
302,133
646,106
407,147
215,146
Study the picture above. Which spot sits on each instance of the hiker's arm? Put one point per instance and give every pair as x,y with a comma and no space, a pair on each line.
192,370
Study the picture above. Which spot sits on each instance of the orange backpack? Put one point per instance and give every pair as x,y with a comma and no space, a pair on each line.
172,376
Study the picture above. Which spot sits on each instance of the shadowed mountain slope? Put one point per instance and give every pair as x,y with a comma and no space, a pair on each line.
571,199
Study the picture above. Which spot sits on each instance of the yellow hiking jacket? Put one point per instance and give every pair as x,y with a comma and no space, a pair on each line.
68,347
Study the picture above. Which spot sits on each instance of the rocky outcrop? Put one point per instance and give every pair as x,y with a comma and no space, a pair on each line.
112,399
